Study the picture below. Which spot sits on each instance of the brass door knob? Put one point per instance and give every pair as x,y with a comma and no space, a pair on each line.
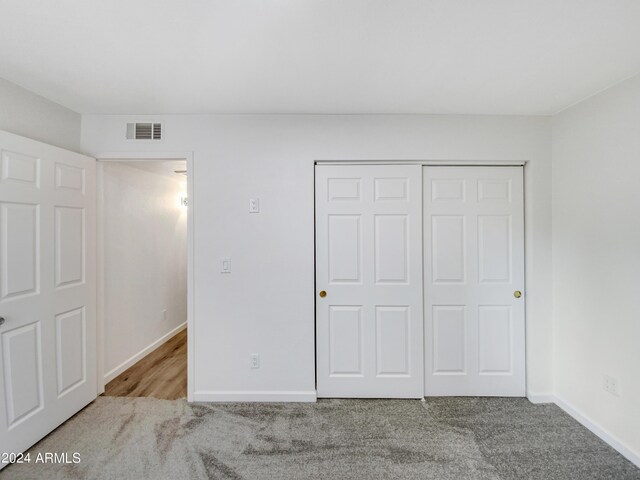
323,294
517,294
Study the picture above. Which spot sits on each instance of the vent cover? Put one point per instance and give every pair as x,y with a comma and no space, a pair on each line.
144,131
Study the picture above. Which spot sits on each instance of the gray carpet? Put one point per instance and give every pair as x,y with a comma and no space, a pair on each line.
444,438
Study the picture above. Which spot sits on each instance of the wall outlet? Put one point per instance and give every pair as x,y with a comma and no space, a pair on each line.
610,385
254,205
164,315
254,360
225,265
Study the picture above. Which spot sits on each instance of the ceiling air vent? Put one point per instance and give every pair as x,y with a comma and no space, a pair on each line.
144,131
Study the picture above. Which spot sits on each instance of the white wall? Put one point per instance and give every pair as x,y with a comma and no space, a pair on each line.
596,259
266,305
145,261
25,113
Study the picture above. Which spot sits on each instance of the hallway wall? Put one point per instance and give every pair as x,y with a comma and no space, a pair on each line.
145,257
265,305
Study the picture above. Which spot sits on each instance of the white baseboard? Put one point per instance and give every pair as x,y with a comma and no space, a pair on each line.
541,397
255,396
142,353
596,429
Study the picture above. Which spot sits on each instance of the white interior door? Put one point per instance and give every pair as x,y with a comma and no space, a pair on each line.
474,262
369,326
47,288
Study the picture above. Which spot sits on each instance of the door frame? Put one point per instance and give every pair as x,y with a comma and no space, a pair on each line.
101,159
433,163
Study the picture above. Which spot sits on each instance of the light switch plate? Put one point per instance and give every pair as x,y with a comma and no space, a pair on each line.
254,359
254,205
225,265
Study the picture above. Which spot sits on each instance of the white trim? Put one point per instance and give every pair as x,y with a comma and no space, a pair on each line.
151,156
585,421
100,335
142,353
191,285
138,156
441,163
541,398
599,431
306,396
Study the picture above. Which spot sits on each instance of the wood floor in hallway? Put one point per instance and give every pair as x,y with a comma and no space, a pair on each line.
161,374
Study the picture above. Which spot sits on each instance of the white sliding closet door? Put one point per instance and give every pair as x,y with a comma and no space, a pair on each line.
369,326
474,274
47,288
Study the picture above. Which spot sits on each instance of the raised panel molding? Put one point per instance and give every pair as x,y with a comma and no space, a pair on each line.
69,177
392,341
475,331
22,358
368,279
343,189
391,248
391,189
494,237
345,341
70,246
494,189
48,292
449,339
443,190
19,249
448,248
71,360
345,249
495,339
18,167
